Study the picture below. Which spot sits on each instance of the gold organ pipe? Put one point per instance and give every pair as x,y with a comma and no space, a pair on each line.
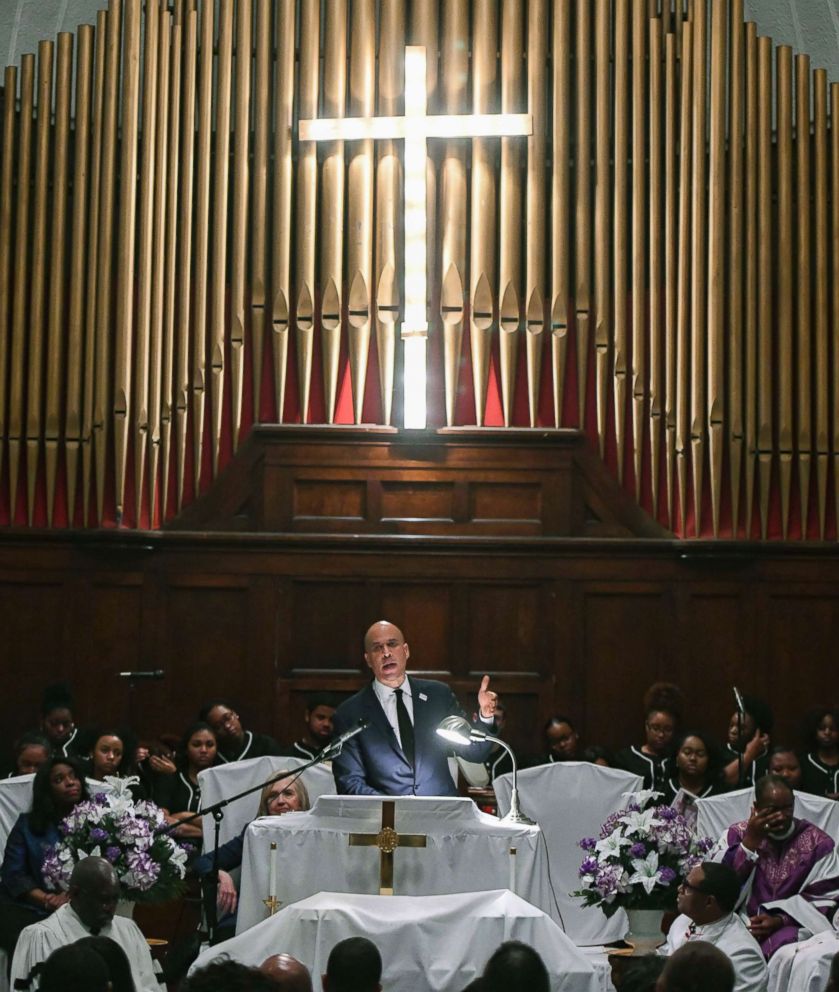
735,331
259,197
640,105
241,149
656,277
671,263
510,208
821,324
159,258
716,261
699,280
171,302
388,185
453,197
804,316
79,239
126,247
834,301
186,318
620,364
483,221
582,202
57,267
752,248
201,255
332,203
7,165
682,419
784,360
38,302
307,185
221,184
145,246
560,203
91,315
360,204
602,211
20,305
282,188
765,282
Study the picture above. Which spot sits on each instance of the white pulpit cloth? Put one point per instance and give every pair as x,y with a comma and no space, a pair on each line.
716,814
15,798
467,851
805,966
571,800
427,943
229,780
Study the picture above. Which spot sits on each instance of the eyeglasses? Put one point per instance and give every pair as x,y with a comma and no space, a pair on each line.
685,884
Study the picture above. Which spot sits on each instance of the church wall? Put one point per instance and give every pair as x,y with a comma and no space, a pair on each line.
580,627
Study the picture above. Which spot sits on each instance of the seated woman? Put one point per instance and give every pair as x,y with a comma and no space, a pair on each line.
653,759
820,771
31,751
112,751
179,795
59,784
746,752
281,796
698,763
783,761
57,723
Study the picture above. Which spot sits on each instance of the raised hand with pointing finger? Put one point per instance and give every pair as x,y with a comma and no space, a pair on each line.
487,699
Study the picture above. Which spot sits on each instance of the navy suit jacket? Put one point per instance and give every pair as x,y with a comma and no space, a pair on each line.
372,762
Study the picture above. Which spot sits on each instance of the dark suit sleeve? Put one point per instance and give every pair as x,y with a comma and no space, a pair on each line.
229,856
348,768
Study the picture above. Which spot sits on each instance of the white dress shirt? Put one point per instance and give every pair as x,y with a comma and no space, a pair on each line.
730,935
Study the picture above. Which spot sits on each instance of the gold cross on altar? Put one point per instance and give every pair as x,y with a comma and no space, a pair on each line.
414,128
387,840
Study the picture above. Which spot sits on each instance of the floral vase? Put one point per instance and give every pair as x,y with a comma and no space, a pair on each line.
645,928
125,907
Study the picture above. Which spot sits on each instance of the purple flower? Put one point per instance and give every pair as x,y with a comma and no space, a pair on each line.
667,813
99,835
638,850
666,875
589,866
112,854
588,843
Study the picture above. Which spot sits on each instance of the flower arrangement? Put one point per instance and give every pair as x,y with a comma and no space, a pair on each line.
641,856
150,866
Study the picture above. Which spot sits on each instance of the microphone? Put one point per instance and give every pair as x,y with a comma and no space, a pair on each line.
155,676
738,699
334,747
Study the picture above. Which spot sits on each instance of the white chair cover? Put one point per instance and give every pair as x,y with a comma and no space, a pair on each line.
236,776
803,967
15,798
570,800
428,943
715,814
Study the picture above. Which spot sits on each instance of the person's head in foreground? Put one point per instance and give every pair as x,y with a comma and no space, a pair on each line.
354,965
515,967
642,973
94,891
289,974
73,968
833,981
709,892
224,975
697,967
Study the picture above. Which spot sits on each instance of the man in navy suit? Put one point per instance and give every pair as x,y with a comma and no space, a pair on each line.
400,753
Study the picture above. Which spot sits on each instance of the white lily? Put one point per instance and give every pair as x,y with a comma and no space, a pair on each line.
610,847
641,823
646,872
642,797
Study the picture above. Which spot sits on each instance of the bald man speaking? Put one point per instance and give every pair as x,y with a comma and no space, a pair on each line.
400,753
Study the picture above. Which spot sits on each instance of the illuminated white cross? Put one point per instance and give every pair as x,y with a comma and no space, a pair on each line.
414,128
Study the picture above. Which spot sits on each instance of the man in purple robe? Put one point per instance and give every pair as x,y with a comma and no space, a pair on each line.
787,866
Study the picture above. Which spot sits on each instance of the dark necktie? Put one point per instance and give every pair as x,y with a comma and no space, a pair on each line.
406,728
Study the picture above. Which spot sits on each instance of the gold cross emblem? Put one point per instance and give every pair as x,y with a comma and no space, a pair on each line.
387,840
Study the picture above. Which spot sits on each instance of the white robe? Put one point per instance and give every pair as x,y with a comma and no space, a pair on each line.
730,935
63,927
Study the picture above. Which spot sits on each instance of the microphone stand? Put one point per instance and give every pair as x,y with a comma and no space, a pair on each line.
216,810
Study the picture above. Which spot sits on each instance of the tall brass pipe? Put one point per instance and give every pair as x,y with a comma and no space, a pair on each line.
752,248
671,263
56,315
37,298
602,215
657,241
834,283
784,358
717,301
620,303
218,262
7,178
765,278
582,202
804,337
80,235
188,317
640,247
560,220
510,208
264,39
139,357
360,203
453,197
332,204
821,324
241,179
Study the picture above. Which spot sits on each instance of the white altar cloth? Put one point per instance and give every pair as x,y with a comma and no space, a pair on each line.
15,798
716,814
467,851
427,943
805,966
236,776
